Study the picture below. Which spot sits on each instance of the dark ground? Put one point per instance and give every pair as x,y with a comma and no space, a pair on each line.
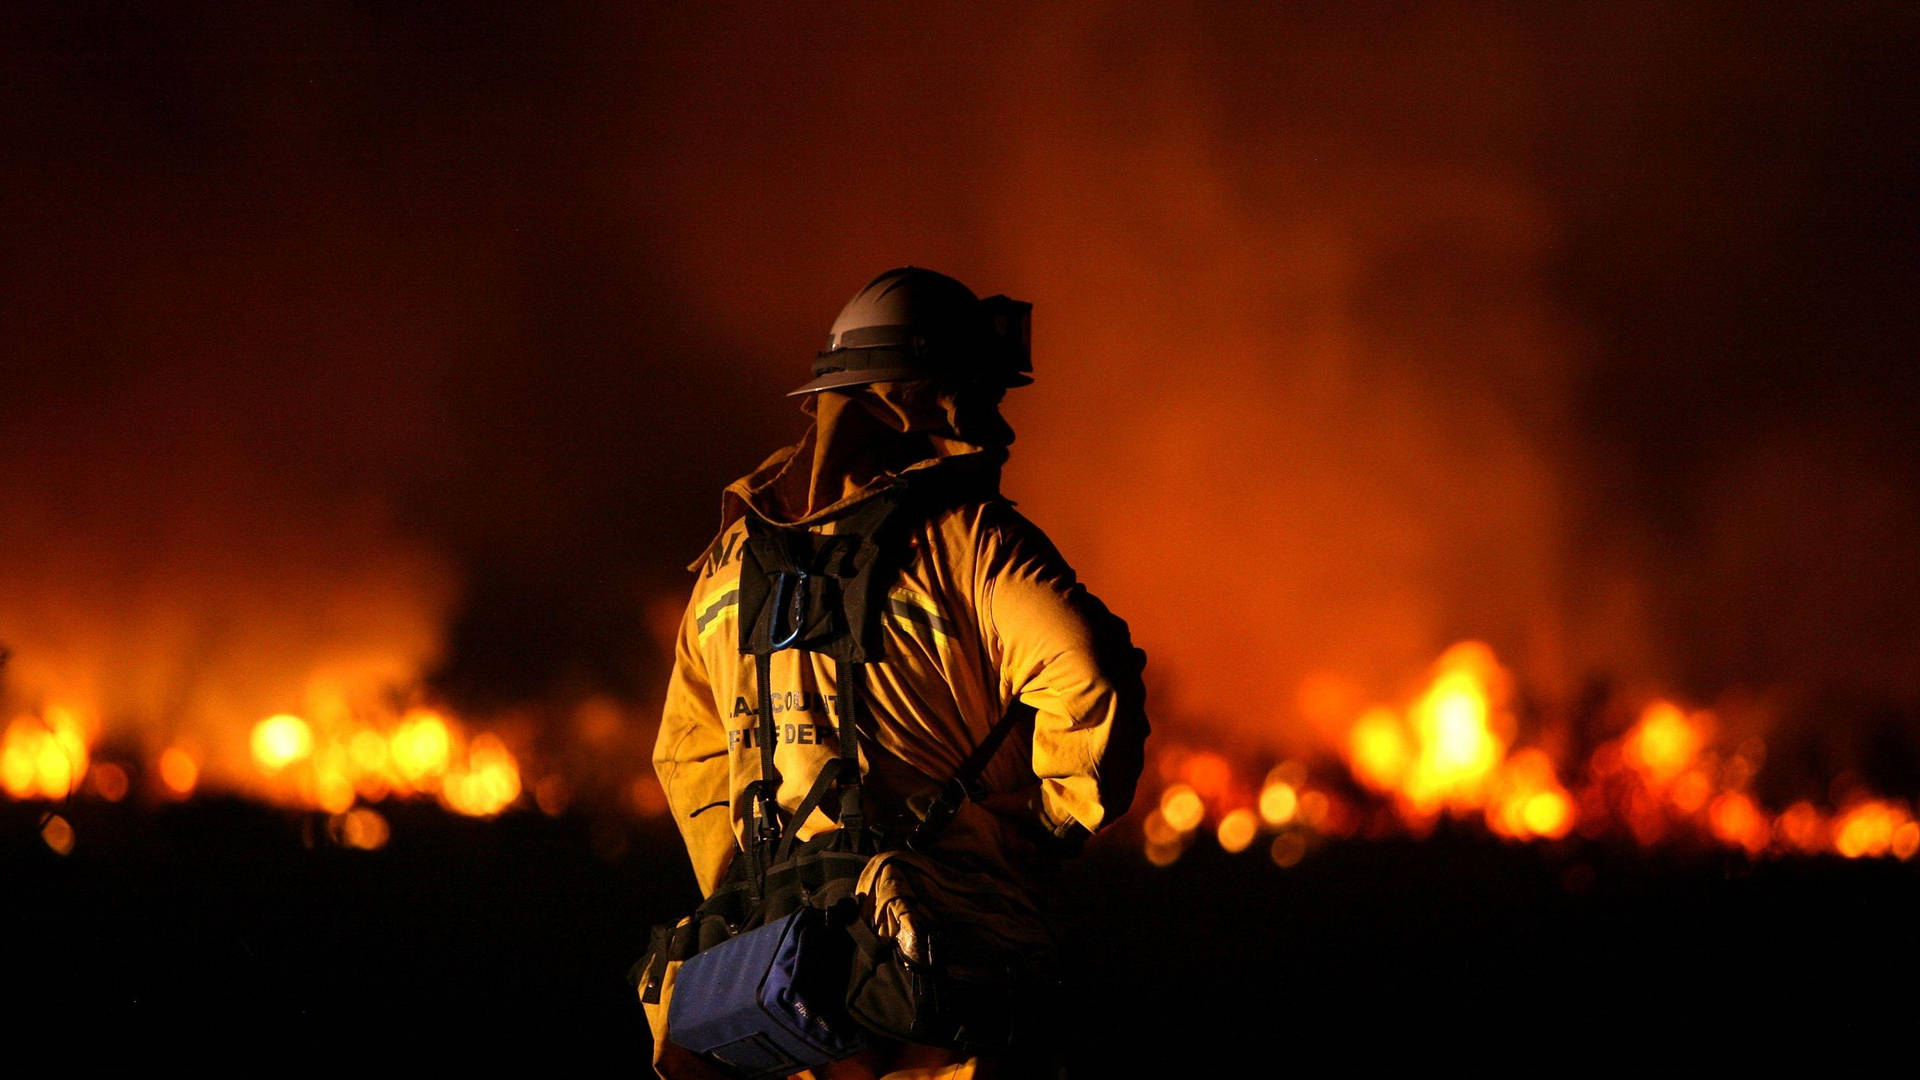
215,920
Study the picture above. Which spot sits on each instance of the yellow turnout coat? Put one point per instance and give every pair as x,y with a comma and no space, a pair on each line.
985,613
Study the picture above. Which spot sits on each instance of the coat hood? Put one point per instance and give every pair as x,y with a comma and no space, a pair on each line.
865,440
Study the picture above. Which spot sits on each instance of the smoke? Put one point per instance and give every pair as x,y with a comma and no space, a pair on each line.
1300,409
190,541
425,342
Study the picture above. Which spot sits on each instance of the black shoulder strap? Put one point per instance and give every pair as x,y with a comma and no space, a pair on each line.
965,779
824,593
843,771
819,592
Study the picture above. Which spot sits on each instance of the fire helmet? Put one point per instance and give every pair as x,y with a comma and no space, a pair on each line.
912,323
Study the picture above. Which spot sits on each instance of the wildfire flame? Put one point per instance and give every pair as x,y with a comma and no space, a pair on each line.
340,765
1452,752
44,756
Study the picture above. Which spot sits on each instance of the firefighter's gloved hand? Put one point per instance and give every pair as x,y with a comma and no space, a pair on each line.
907,936
895,911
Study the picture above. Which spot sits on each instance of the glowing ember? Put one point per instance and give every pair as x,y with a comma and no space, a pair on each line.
1380,751
421,746
1664,742
1209,774
279,741
1527,799
43,757
1801,828
1288,849
361,828
1738,822
1237,830
1158,831
109,781
1871,829
1278,802
57,834
1182,808
1452,750
489,782
1457,747
178,771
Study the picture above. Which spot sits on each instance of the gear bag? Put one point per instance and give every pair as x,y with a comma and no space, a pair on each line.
778,970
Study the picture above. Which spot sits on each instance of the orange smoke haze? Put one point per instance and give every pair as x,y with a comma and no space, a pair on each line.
370,365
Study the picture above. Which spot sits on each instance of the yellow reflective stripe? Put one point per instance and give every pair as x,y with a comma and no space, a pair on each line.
713,607
915,608
910,606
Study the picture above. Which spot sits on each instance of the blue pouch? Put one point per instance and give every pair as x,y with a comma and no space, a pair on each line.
771,1001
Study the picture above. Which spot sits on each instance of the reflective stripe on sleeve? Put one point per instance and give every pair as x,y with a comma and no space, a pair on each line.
713,608
915,608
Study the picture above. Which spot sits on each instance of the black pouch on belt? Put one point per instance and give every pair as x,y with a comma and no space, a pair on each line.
932,1001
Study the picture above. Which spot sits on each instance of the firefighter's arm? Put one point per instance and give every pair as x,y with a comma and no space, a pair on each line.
1059,650
690,758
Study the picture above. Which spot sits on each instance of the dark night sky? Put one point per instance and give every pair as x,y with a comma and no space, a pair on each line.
1586,329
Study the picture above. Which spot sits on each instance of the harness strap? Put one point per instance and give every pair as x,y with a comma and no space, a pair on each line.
851,677
842,772
830,774
961,787
766,804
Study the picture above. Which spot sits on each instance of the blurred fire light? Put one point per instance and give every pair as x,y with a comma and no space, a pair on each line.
1278,802
1665,741
1451,753
1873,828
1288,849
1182,808
1379,750
109,781
421,746
1237,830
488,784
279,741
57,833
178,771
361,827
1738,822
43,756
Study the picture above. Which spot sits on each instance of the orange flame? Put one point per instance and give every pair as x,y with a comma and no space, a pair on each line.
1447,753
1453,750
45,756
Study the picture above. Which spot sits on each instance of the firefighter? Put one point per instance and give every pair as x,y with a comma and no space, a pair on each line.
980,619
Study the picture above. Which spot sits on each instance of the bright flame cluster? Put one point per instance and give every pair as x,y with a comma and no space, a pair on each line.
1199,786
425,753
45,756
338,765
1448,753
1451,752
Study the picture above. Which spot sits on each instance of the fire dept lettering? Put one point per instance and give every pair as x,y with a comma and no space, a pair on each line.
748,738
794,734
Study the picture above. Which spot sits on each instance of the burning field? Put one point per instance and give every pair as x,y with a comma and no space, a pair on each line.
1495,424
1657,776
